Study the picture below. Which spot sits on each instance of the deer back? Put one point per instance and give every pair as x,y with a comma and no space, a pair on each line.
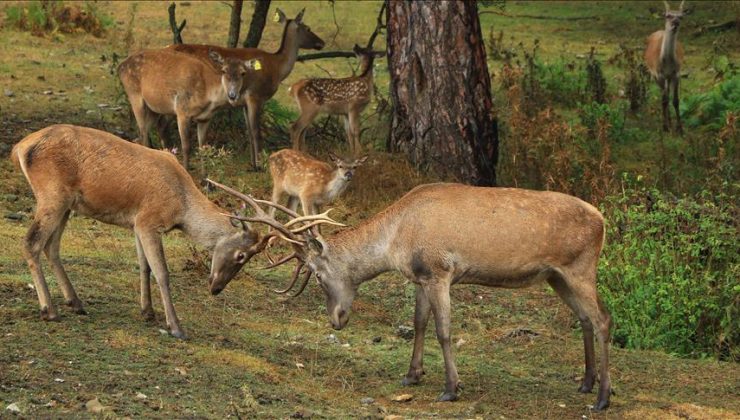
104,177
298,173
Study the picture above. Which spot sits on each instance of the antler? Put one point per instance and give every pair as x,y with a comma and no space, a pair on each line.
667,6
296,273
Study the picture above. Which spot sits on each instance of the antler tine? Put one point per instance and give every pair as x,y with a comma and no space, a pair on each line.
244,197
680,7
323,216
284,209
284,233
314,223
303,286
281,261
296,273
667,6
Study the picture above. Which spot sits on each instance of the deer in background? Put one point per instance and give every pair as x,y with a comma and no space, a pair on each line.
438,235
311,181
347,97
663,57
275,68
161,83
122,183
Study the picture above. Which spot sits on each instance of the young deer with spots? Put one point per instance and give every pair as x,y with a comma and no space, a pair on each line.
439,235
163,82
663,57
311,181
115,181
347,97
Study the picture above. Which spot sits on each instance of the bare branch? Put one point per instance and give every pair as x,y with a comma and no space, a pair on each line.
176,30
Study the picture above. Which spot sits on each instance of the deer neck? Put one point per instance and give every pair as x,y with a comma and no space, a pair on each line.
205,224
288,53
336,185
363,252
668,49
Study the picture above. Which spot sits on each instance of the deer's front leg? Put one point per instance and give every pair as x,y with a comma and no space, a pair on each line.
675,83
438,294
665,88
202,132
144,276
151,242
421,318
183,126
254,108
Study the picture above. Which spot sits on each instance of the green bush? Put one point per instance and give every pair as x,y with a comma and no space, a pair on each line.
669,273
613,115
563,81
710,109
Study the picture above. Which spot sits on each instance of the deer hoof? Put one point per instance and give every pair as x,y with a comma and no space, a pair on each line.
410,380
586,386
49,315
602,402
76,306
148,314
179,334
447,396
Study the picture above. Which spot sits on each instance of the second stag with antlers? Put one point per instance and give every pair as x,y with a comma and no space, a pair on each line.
347,97
439,235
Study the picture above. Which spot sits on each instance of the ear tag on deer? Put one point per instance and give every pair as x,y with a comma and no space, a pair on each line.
276,18
258,64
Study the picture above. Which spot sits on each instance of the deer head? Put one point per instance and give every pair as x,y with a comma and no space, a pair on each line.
233,72
230,254
673,17
304,36
346,168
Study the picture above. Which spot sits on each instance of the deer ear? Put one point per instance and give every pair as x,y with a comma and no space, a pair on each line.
280,16
361,160
299,18
316,246
215,57
334,158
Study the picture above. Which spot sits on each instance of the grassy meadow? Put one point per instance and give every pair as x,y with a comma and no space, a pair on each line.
253,354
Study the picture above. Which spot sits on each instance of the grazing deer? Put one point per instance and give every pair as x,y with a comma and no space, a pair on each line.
311,181
118,182
169,83
347,97
439,235
663,57
275,68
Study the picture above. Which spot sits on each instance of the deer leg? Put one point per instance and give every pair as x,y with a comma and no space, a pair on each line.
46,221
348,132
438,293
151,243
421,318
202,131
675,84
307,205
183,126
52,254
293,203
162,132
664,87
589,377
245,112
254,109
354,128
144,119
144,276
299,127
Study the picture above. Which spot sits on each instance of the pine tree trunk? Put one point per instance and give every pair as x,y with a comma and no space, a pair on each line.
441,91
235,24
257,25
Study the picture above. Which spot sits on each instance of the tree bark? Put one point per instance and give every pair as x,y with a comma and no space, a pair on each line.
176,30
257,25
235,24
441,90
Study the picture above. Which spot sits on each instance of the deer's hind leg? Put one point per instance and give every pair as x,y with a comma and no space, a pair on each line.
47,219
52,254
578,289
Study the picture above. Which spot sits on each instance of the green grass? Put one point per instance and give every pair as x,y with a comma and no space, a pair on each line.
245,345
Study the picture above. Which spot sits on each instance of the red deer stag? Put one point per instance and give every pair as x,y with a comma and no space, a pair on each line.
439,235
275,68
311,181
663,57
347,97
168,83
118,182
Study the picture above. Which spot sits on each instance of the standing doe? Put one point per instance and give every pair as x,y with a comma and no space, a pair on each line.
118,182
169,83
439,235
347,97
663,57
311,181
